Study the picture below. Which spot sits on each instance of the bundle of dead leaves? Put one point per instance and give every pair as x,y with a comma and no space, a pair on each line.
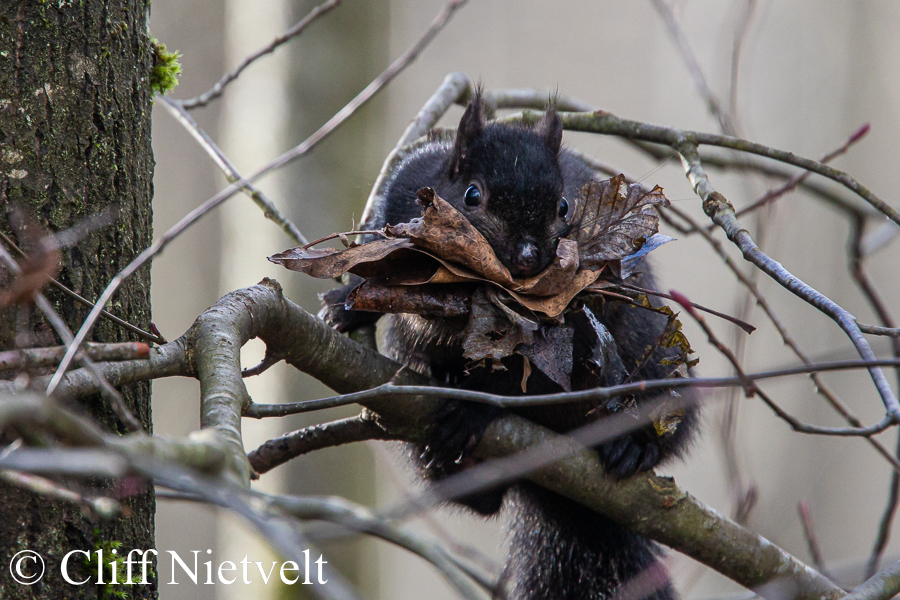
439,265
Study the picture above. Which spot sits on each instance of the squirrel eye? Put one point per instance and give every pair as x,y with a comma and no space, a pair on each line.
563,208
473,195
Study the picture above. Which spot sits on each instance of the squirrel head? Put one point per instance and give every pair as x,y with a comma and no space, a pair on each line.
507,181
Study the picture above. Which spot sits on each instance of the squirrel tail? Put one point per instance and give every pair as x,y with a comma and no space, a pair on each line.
560,549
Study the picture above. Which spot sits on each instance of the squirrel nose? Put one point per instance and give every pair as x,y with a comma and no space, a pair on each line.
526,259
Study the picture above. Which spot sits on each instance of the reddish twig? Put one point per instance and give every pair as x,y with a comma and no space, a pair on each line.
46,357
812,541
742,324
799,178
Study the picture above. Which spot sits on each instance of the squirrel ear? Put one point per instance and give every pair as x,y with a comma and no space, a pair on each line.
471,127
550,128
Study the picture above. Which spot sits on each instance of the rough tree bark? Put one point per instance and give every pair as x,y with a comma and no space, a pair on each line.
75,107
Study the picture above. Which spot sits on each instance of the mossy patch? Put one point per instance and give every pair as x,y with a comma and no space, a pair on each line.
166,68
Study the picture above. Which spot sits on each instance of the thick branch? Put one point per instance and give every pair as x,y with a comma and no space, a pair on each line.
652,506
655,507
280,450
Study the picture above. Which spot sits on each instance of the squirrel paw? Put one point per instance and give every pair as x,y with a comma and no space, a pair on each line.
457,429
629,454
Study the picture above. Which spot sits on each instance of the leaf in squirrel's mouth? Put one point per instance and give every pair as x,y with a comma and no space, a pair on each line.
613,224
439,265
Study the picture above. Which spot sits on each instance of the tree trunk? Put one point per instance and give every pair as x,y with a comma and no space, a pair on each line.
74,139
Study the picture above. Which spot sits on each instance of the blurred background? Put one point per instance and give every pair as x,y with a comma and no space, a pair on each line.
809,73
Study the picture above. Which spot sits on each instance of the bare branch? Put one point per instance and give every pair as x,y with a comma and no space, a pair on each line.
200,451
270,211
99,506
390,390
342,115
169,360
761,301
800,177
280,450
893,332
216,90
28,358
606,123
722,213
650,506
113,397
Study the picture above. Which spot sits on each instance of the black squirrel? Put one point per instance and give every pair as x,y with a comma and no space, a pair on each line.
514,184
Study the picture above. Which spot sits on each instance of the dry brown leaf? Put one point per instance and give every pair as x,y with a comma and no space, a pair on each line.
667,417
612,219
551,354
494,331
37,271
446,233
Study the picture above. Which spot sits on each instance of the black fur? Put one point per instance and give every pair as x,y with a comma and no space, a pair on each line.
559,549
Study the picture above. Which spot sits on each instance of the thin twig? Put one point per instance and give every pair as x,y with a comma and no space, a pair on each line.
216,90
260,411
270,211
742,324
269,360
27,358
112,396
342,115
722,213
97,505
690,60
736,50
812,541
750,388
467,551
358,518
454,87
800,177
893,332
85,302
343,235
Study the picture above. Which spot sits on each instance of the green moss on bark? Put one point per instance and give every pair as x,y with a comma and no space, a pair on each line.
166,68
